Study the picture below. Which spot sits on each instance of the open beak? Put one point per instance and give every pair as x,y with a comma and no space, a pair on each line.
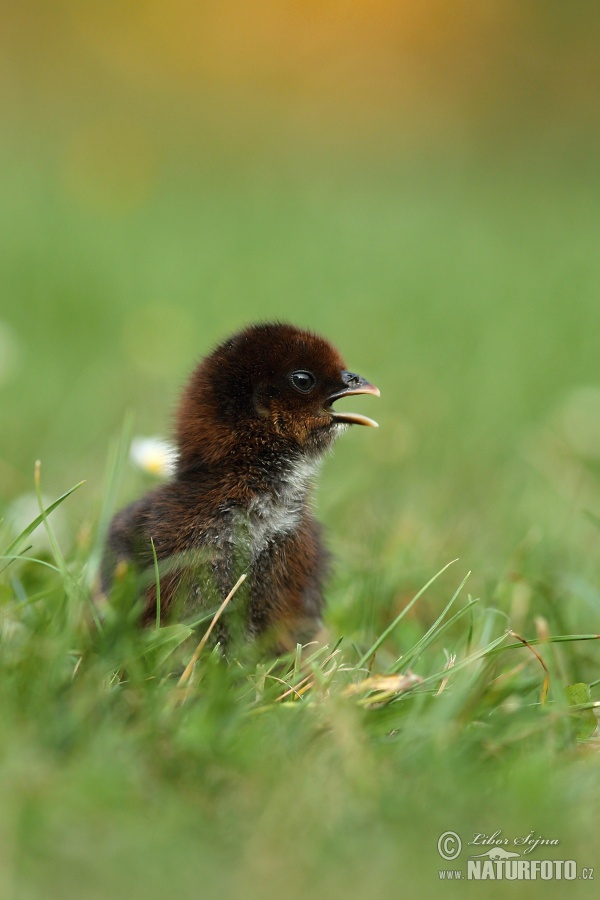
352,384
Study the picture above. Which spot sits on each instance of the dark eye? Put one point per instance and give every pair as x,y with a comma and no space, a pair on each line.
303,381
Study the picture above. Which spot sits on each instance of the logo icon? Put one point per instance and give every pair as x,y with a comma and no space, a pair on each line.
496,853
449,845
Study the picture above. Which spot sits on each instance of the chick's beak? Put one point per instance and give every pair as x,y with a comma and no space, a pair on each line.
352,384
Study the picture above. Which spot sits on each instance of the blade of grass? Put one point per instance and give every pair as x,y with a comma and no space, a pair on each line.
157,580
39,519
417,649
553,639
386,633
114,472
41,562
410,661
479,654
196,655
546,685
56,551
446,673
71,585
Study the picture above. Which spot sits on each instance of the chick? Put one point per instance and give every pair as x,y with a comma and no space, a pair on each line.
253,424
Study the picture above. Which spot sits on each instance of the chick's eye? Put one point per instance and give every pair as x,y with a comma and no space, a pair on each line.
303,381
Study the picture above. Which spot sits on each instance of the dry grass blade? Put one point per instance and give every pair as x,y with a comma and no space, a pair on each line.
449,665
190,666
393,684
298,690
381,689
309,681
546,685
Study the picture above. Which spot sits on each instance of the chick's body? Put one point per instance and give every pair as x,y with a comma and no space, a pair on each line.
252,426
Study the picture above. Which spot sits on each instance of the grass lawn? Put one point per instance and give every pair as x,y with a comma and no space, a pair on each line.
467,290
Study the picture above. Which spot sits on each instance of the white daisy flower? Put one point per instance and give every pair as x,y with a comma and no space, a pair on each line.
154,455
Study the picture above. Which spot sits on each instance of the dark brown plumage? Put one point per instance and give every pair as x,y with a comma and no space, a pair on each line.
253,423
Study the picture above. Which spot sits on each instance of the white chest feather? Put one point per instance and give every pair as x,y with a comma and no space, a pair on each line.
272,515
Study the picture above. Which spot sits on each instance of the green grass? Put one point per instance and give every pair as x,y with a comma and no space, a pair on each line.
469,293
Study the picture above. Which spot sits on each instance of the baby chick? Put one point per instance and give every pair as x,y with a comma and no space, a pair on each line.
253,424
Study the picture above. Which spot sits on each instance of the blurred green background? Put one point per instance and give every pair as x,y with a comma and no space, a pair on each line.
417,181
